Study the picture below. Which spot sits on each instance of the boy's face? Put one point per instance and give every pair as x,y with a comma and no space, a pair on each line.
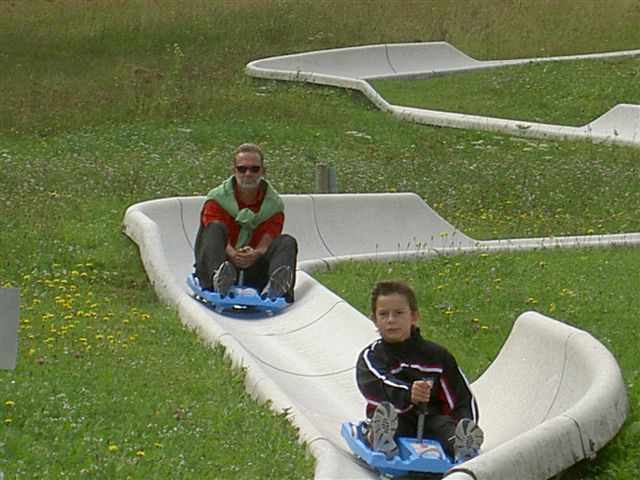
394,317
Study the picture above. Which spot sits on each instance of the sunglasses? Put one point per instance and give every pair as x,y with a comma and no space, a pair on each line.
243,169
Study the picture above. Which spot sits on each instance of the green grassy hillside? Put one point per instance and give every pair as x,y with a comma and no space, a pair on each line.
105,104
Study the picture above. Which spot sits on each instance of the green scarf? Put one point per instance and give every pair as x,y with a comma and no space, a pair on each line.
246,218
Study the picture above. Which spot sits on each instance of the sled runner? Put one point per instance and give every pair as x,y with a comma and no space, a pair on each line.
425,456
240,299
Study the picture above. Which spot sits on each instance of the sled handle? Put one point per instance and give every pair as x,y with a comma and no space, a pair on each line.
421,422
423,411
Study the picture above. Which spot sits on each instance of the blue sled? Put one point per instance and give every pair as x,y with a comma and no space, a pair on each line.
427,456
240,298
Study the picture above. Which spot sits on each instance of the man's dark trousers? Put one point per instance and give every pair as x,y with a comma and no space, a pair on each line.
210,254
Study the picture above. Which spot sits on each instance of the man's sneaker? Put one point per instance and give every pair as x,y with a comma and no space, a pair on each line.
384,424
469,438
224,278
279,283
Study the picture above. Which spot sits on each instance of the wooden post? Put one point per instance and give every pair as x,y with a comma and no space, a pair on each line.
322,178
333,181
326,181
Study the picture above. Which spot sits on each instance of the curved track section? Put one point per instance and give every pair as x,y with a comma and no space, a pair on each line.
302,360
352,67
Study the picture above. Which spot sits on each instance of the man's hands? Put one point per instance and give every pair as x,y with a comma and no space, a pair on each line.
421,391
244,257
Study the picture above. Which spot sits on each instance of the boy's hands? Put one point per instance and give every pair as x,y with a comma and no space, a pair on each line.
421,391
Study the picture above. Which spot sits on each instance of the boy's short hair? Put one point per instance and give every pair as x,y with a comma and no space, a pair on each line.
389,287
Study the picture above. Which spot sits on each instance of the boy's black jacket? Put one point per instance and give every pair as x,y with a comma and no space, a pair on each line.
385,372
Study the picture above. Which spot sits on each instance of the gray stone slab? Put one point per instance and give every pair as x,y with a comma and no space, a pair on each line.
9,323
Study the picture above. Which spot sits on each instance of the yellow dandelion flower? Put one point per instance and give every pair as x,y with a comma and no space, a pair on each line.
10,403
112,448
140,453
158,445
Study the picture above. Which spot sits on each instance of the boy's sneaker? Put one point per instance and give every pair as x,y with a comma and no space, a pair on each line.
384,424
469,438
279,283
224,278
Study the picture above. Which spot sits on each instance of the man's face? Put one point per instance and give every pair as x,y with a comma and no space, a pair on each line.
248,170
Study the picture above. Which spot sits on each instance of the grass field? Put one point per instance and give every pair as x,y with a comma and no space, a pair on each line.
106,104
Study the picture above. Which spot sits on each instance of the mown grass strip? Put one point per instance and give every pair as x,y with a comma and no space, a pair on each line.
564,93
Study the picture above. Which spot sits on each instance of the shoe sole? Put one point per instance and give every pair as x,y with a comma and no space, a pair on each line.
279,283
224,279
469,438
384,425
